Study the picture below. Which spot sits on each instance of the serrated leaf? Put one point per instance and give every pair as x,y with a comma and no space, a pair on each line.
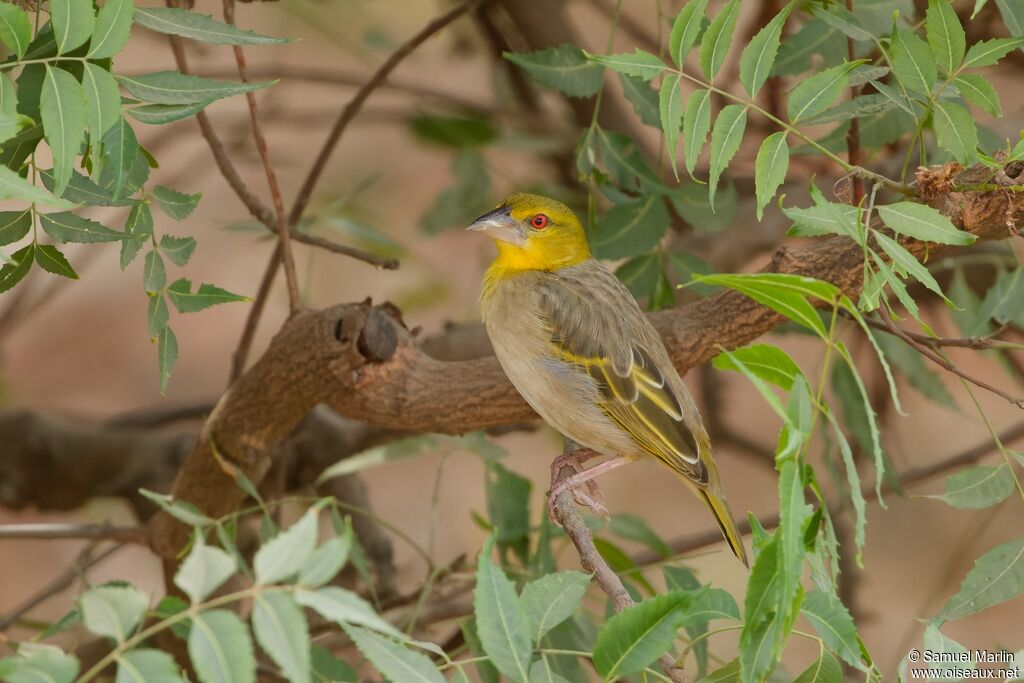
397,663
281,630
814,38
696,125
840,18
508,497
923,223
172,87
326,561
977,90
813,95
685,29
759,55
204,570
113,611
159,114
955,131
154,276
714,46
670,108
913,63
102,99
72,22
138,227
551,599
768,362
725,142
945,35
144,665
221,649
68,227
346,608
21,263
119,152
975,488
52,260
905,261
81,190
632,639
14,225
860,107
912,365
186,301
180,22
989,52
177,249
113,27
36,663
501,620
283,555
770,169
15,28
564,68
630,228
167,355
62,108
157,315
825,669
326,668
640,63
643,98
834,624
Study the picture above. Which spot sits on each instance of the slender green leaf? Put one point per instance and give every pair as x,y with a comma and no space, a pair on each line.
564,68
501,620
643,98
62,107
955,131
157,315
21,263
853,481
144,665
825,669
72,22
171,87
284,555
118,156
68,227
551,599
397,663
52,260
138,227
670,107
177,249
640,64
922,222
782,292
696,125
167,355
717,40
186,301
102,100
913,63
945,35
180,22
759,55
14,225
281,630
113,27
912,365
81,190
345,608
154,276
768,362
989,52
15,28
997,576
159,114
220,648
770,169
685,29
975,488
814,94
905,261
977,90
632,639
834,624
725,142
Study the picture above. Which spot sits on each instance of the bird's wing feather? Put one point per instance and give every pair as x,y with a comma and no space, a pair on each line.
613,345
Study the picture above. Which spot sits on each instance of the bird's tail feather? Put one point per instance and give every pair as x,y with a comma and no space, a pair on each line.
720,509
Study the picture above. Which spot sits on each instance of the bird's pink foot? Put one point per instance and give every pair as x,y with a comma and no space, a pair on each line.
581,483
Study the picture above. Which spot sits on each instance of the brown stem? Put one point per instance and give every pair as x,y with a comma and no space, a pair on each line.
977,343
853,134
106,532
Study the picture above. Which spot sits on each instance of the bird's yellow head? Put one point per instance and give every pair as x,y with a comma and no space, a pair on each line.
533,233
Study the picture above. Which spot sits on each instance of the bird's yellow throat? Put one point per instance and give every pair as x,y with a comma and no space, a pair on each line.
550,254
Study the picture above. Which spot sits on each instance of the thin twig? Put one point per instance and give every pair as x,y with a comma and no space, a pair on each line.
978,343
107,532
385,262
294,302
853,134
85,561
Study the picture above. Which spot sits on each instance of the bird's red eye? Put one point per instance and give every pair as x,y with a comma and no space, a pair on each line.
539,221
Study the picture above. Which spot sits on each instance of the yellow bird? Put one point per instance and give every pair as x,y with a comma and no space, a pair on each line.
576,345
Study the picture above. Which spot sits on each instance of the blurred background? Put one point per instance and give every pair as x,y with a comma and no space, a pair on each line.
400,183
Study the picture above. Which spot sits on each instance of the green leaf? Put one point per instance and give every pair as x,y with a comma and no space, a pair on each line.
171,87
68,227
729,673
977,90
159,114
15,28
283,555
454,131
691,202
21,262
180,22
186,301
945,35
220,648
859,107
326,561
329,669
834,624
144,665
167,355
814,38
281,630
952,659
825,669
40,663
905,261
81,190
912,365
670,107
501,620
793,510
955,131
989,52
139,228
717,40
759,55
62,108
113,27
541,672
53,261
177,249
154,277
643,98
997,576
974,488
639,273
922,222
344,607
768,362
632,639
630,228
1013,16
157,315
842,19
696,124
551,599
913,63
119,156
640,64
112,611
770,169
508,497
725,142
204,570
102,99
398,664
182,510
782,292
1002,303
72,21
564,68
814,94
14,225
711,603
685,30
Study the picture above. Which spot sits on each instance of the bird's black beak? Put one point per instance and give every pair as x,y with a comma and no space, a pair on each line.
499,224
